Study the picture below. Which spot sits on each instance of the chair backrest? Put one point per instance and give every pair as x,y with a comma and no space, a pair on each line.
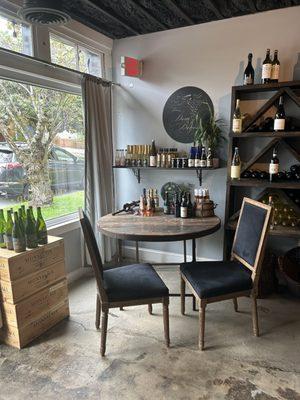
94,253
250,236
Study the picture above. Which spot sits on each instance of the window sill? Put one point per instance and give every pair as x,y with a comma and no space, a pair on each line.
64,227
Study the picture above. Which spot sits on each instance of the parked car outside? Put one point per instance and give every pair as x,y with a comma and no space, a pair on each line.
65,169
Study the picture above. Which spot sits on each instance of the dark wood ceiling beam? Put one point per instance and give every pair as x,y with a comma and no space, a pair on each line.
178,11
147,14
129,28
210,5
92,25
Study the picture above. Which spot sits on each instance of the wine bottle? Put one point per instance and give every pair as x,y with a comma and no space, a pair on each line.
209,160
41,228
271,204
8,231
236,165
31,235
166,204
190,208
23,214
279,120
177,207
275,68
21,222
274,166
191,160
198,157
2,229
153,154
32,214
183,207
156,199
18,238
237,118
249,72
267,68
203,159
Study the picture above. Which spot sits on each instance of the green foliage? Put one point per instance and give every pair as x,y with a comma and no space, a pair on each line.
209,132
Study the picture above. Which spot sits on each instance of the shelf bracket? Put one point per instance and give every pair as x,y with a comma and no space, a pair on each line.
199,175
137,174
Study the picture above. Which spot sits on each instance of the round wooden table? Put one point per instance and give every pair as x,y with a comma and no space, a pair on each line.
159,228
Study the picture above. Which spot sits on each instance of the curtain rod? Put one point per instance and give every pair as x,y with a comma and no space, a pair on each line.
56,66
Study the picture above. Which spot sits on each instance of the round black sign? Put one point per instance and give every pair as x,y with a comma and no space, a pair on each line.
181,109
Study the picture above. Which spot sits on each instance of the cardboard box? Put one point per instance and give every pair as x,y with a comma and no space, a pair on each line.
15,291
14,266
21,337
27,310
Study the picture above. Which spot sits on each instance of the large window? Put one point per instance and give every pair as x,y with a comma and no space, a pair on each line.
15,36
41,149
71,55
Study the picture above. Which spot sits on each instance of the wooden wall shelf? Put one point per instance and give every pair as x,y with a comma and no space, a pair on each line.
264,183
285,134
137,170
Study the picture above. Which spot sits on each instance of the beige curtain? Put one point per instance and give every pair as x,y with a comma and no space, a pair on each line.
98,157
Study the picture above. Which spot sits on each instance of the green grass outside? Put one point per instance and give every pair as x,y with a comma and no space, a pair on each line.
62,205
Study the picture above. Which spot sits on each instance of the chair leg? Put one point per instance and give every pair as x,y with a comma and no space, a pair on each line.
182,295
166,320
98,312
150,309
235,304
255,317
202,306
103,331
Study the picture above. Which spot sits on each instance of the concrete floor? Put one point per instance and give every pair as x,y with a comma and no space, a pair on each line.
65,363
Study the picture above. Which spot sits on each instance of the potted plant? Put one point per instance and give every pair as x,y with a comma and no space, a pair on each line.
209,134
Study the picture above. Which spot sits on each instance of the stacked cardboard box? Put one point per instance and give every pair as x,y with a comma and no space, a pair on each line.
33,292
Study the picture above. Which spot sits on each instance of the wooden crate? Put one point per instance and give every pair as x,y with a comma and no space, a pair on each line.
21,337
14,266
27,310
15,291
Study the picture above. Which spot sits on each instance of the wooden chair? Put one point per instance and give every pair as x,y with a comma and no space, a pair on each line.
221,280
130,285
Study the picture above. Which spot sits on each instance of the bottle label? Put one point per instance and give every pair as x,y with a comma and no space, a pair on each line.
279,124
235,172
18,245
209,163
248,80
8,241
43,237
203,163
197,162
275,72
183,212
237,125
191,162
266,71
273,169
152,161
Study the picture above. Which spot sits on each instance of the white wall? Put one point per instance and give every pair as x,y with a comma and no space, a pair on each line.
210,56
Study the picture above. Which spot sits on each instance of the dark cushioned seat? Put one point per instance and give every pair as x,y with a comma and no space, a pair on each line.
217,278
133,282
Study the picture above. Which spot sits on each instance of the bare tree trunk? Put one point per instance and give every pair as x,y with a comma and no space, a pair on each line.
37,173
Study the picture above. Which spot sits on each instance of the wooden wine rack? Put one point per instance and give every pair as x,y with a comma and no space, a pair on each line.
290,89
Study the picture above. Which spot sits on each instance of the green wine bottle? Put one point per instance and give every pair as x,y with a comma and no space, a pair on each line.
21,221
41,228
8,231
31,236
2,229
32,214
18,236
23,214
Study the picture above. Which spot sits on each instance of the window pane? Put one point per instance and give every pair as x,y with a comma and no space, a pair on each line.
89,62
41,149
63,53
15,36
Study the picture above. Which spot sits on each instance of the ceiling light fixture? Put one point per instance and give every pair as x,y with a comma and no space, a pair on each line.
44,12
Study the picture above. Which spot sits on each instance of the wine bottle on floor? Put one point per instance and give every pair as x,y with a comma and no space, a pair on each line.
41,228
237,118
279,120
267,68
274,166
2,229
249,72
8,231
235,172
18,236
